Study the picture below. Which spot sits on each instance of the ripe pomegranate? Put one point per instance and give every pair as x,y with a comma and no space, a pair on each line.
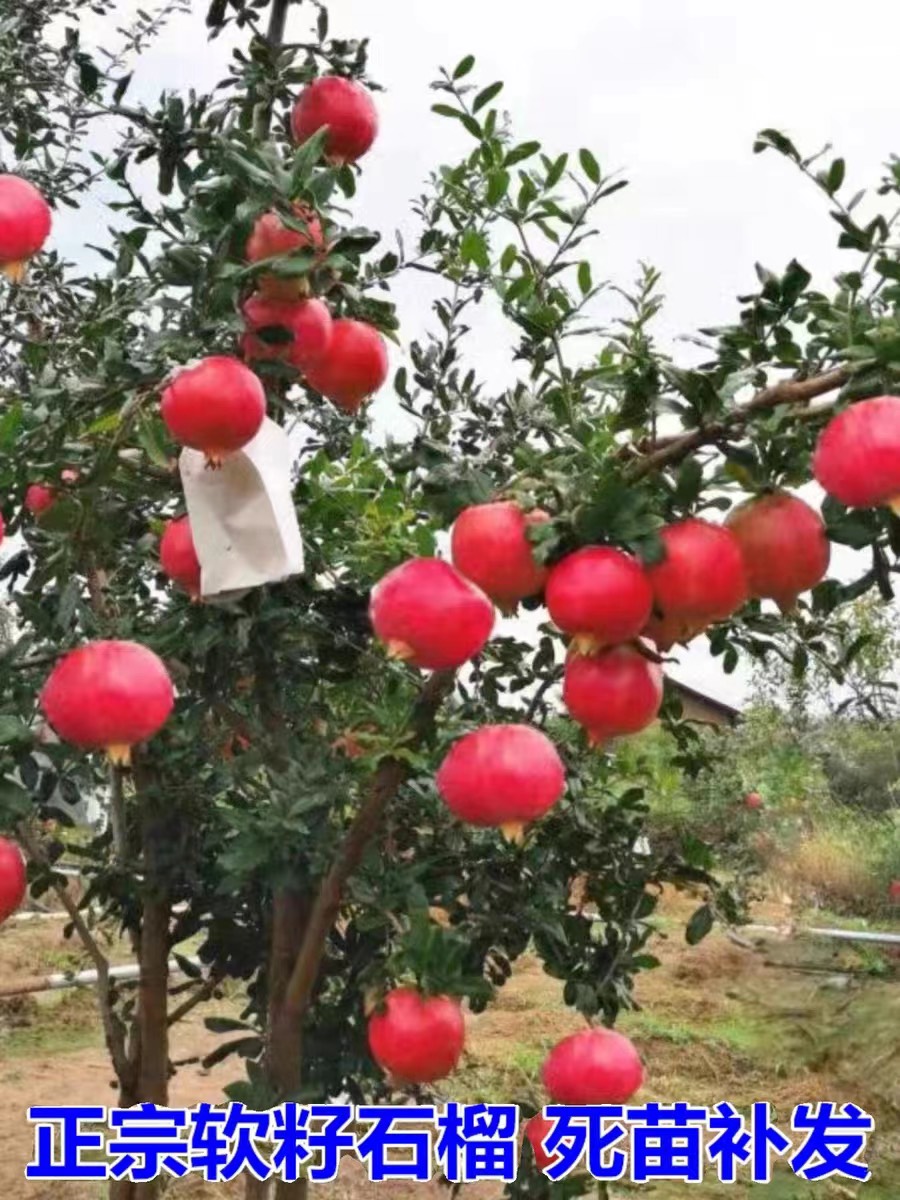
216,406
857,458
615,692
354,365
38,498
346,107
178,556
596,1066
490,545
600,596
784,546
24,224
701,579
753,800
894,891
108,695
429,615
307,321
536,1129
13,881
417,1039
503,775
270,237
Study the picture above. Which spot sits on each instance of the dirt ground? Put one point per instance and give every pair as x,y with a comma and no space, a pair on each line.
782,1020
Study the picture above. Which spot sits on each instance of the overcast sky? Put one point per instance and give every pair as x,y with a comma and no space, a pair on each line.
670,91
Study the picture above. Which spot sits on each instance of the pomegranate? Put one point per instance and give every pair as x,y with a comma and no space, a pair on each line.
701,579
615,692
13,882
354,365
345,107
270,237
307,321
38,498
596,1066
70,475
784,546
664,632
894,891
24,224
753,800
417,1039
536,1130
108,695
178,556
490,545
600,596
429,615
216,406
504,775
857,459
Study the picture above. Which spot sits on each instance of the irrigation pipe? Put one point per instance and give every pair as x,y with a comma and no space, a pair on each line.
52,983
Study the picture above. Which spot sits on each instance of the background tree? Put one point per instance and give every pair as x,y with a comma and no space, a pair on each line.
287,814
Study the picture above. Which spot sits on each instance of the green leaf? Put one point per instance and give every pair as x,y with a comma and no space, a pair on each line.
584,277
498,184
191,969
521,152
12,730
247,1047
151,438
473,248
444,110
508,257
589,165
835,176
487,95
464,66
225,1025
699,925
15,802
772,139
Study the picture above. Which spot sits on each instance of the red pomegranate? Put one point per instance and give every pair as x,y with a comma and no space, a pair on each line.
857,459
700,579
70,475
753,800
784,546
490,546
894,891
308,322
596,1066
426,613
600,596
345,107
216,406
178,556
417,1039
613,693
13,881
503,775
536,1130
354,365
38,498
270,238
108,695
24,224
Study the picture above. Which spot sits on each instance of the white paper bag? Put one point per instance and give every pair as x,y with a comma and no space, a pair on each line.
242,515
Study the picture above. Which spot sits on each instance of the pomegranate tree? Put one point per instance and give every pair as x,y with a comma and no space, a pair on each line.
490,545
216,406
24,224
343,107
784,546
416,1038
305,327
596,1066
353,367
600,596
178,556
700,579
108,695
615,692
503,775
13,880
427,614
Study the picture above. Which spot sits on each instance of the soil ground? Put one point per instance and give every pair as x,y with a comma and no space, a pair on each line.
782,1021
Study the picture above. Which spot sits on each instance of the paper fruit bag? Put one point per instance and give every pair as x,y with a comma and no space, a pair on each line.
242,515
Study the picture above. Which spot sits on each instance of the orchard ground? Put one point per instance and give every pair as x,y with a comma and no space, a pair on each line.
790,1020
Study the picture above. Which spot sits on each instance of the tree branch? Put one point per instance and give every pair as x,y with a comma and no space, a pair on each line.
112,1027
386,782
789,391
202,994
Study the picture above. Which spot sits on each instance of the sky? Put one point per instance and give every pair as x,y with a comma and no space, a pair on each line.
670,92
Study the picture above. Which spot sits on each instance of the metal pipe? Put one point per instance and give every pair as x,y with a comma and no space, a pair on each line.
841,935
52,983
